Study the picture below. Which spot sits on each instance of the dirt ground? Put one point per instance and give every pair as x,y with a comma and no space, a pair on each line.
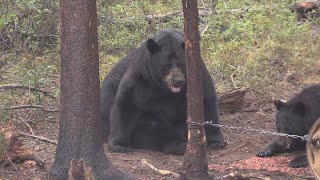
237,159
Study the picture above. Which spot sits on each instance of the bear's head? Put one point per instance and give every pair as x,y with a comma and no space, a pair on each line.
167,62
291,117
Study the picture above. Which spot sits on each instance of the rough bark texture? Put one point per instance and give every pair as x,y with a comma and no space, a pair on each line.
195,158
79,125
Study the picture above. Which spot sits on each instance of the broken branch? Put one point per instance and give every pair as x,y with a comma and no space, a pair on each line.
14,166
27,125
163,172
37,137
32,106
19,86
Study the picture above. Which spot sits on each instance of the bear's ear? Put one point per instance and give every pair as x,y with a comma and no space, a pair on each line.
299,108
279,103
152,46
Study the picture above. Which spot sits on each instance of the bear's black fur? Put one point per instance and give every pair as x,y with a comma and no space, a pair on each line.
295,117
143,98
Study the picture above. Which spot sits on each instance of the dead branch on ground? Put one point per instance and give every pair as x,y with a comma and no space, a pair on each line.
20,133
32,106
14,166
28,125
153,17
236,176
163,172
19,86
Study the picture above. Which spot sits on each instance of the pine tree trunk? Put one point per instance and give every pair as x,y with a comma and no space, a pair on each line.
195,158
79,125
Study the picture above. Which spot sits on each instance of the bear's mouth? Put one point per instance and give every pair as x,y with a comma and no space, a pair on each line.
175,89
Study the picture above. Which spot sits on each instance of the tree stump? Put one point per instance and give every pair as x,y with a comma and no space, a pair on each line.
78,170
13,151
306,7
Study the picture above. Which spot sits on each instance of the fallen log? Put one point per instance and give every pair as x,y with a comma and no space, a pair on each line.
231,101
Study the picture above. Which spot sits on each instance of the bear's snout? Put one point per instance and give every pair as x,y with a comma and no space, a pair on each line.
175,80
179,81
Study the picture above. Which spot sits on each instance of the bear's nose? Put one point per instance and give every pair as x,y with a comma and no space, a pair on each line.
178,81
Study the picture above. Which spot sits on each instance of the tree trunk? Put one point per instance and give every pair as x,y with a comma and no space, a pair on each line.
195,158
79,125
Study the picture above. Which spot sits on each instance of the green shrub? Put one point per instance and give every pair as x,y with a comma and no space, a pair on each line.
255,42
257,46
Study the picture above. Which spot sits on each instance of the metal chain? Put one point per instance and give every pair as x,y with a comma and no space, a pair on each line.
243,129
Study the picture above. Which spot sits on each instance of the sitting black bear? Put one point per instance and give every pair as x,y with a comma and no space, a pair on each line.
295,117
143,98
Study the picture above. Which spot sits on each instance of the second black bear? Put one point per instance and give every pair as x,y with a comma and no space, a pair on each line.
295,117
143,98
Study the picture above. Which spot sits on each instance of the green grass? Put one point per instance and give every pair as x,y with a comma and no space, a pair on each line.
255,42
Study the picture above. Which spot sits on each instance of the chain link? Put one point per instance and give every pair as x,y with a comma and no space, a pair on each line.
243,129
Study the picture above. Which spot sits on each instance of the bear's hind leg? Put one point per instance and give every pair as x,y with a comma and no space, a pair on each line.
122,126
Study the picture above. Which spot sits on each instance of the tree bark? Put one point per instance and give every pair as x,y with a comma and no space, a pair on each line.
79,125
195,158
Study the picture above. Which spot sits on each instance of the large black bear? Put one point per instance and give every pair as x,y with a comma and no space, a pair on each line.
295,117
143,98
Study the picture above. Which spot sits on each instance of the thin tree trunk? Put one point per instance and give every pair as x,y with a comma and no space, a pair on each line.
79,125
195,159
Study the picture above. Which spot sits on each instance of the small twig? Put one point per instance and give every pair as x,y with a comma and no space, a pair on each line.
204,30
27,125
53,121
38,137
32,106
150,17
247,121
255,110
14,166
13,97
163,172
19,86
236,175
232,80
203,4
303,177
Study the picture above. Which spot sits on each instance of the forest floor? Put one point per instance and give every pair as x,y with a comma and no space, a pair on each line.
237,159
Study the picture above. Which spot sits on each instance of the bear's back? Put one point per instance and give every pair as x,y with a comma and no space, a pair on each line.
309,96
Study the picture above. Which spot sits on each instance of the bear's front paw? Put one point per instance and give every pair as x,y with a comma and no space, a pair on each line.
300,161
118,148
265,153
217,144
